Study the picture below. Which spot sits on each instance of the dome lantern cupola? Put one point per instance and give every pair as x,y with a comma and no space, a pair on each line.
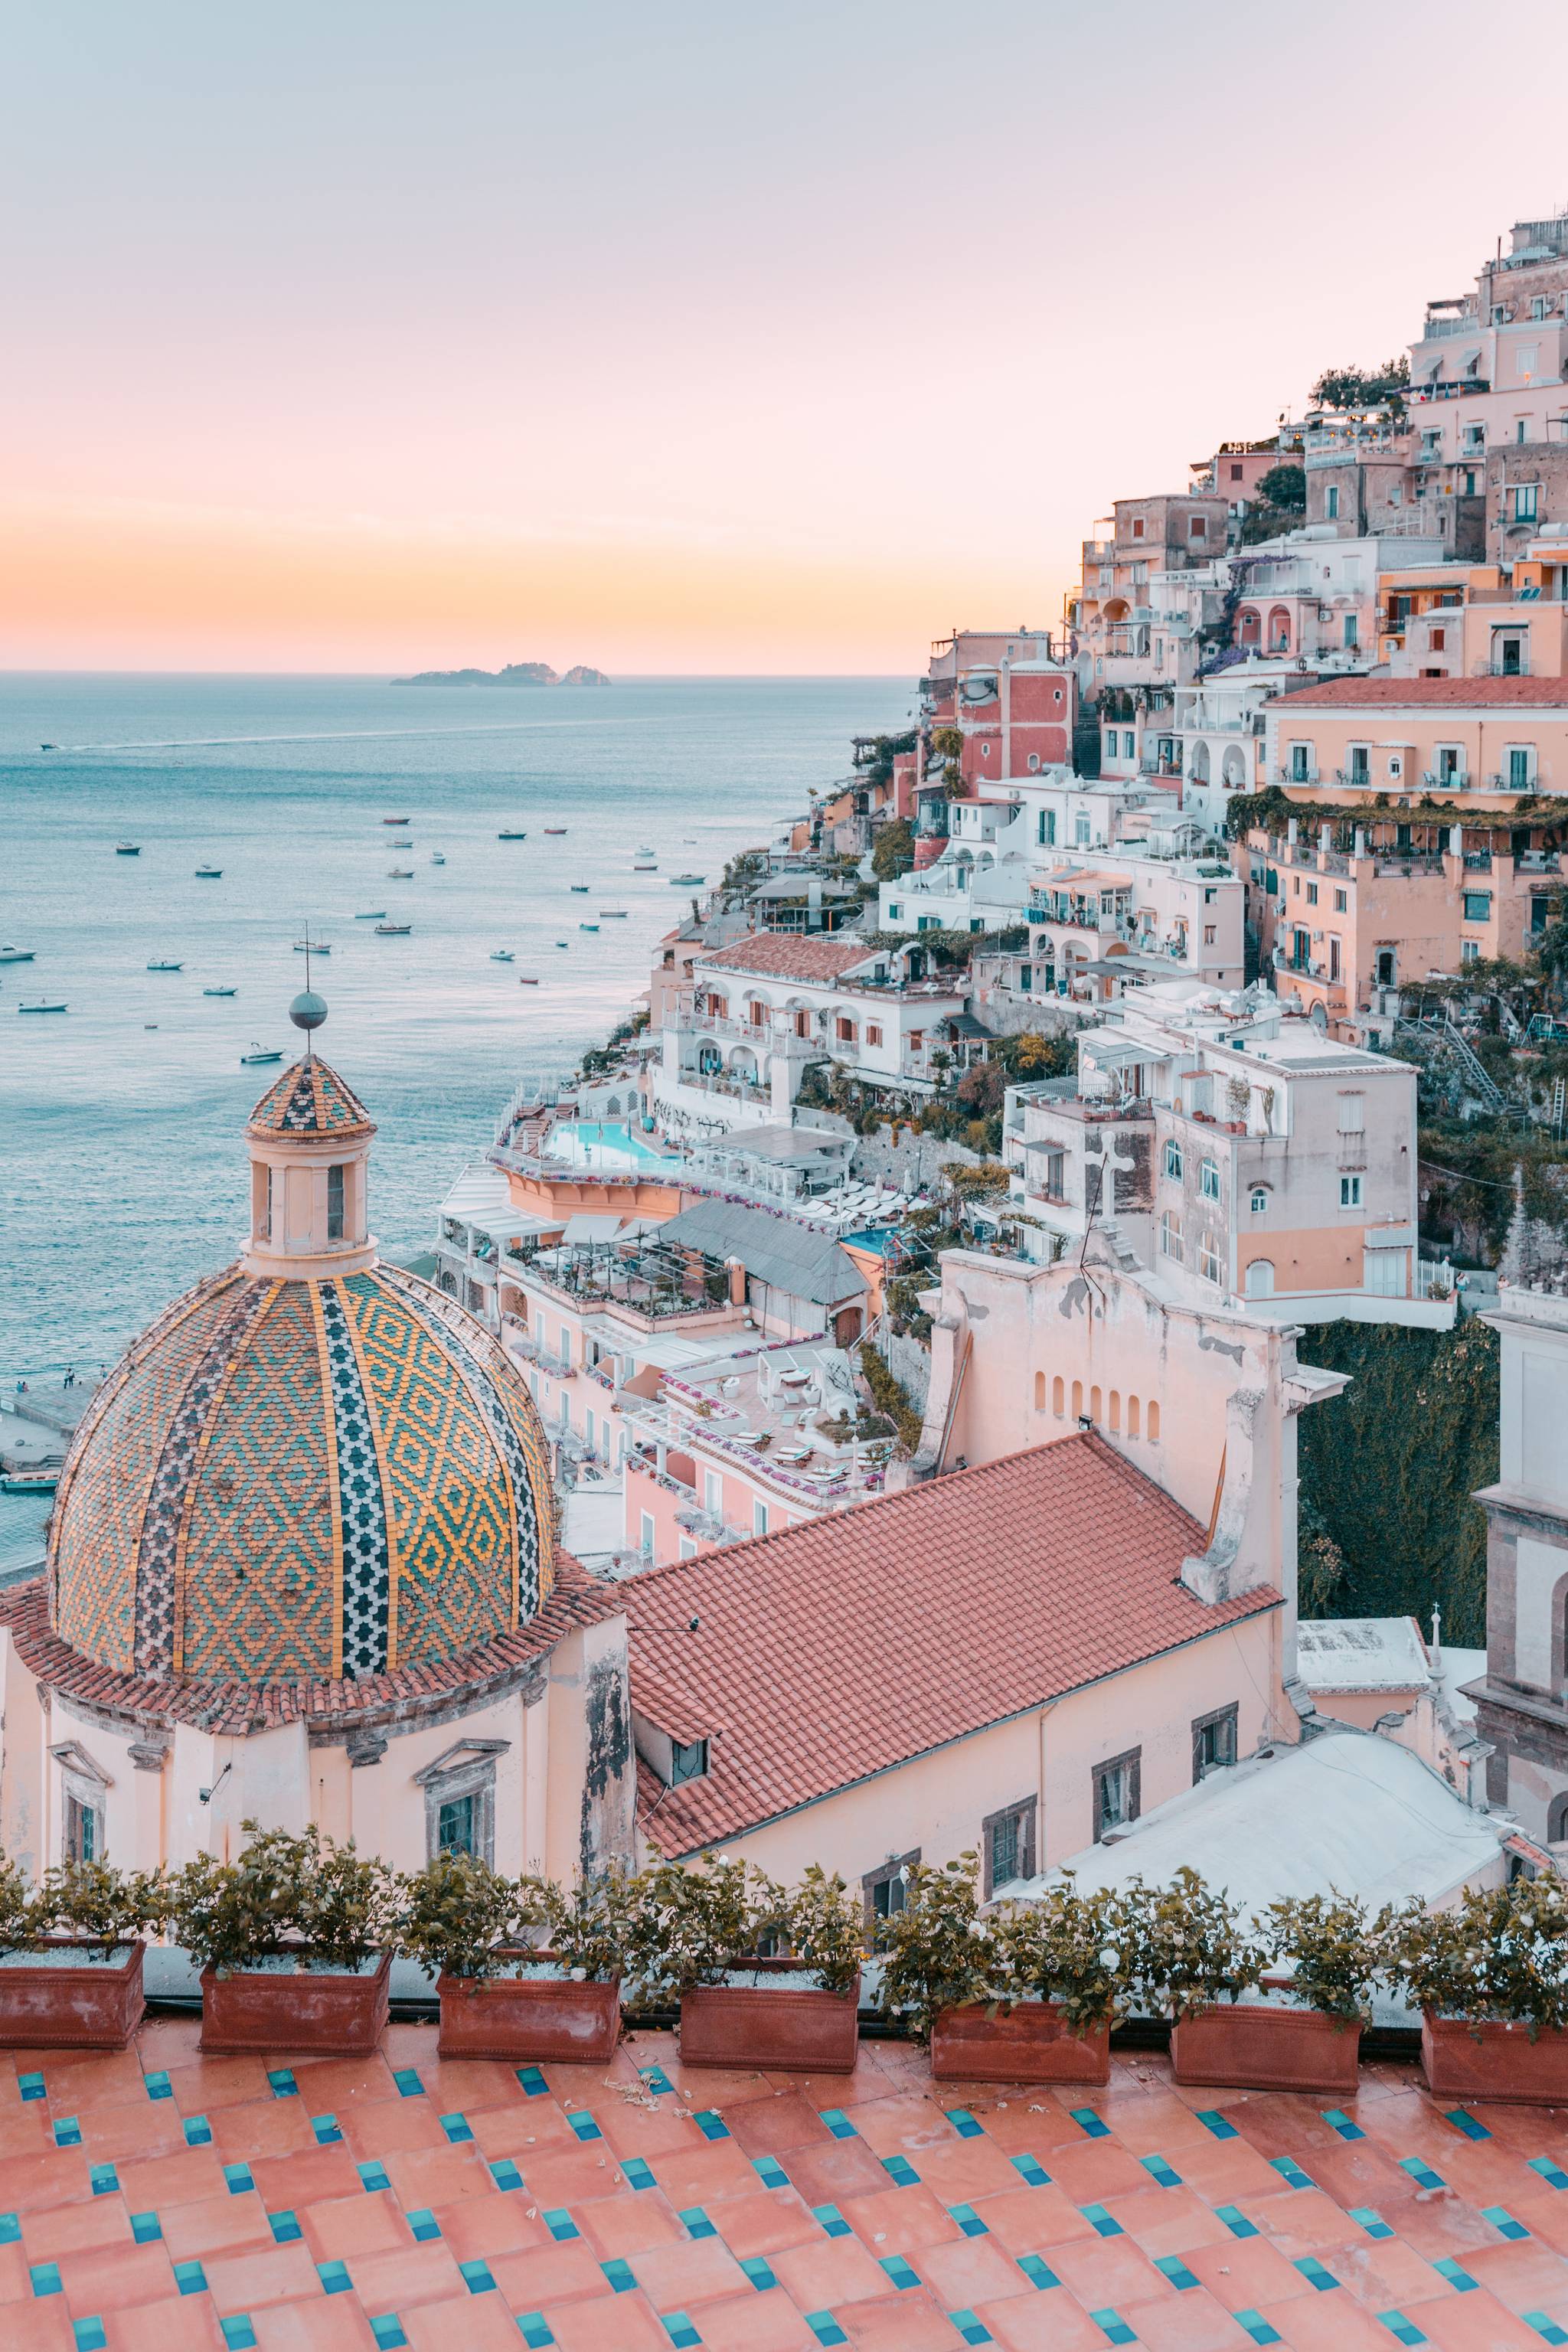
310,1140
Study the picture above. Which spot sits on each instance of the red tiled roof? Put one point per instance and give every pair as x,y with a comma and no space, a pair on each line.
576,1599
1436,693
837,1649
786,955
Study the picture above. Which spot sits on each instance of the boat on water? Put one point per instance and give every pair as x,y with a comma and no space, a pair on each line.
645,865
209,874
394,931
512,833
43,1005
374,915
312,946
260,1054
686,881
219,992
400,873
644,851
502,955
563,943
527,979
29,1482
554,828
17,955
612,914
582,888
128,849
47,747
397,820
437,858
588,926
163,964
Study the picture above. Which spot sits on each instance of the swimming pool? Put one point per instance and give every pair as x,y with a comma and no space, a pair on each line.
595,1143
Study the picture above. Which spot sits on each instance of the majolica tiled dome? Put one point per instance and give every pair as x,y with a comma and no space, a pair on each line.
292,1479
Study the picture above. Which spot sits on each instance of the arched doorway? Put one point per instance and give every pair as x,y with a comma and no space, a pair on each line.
1279,630
1249,627
1261,1279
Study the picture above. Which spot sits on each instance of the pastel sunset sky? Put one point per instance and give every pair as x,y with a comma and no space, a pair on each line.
364,334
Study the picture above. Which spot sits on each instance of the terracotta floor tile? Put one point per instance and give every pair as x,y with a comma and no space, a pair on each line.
1094,2170
899,2220
696,2270
67,2229
1191,2322
908,2322
699,2087
405,2275
1157,2123
544,2276
437,2176
168,2041
187,2323
476,2323
213,2225
1024,2220
1247,2274
1524,2274
1027,2125
73,2075
1483,2171
16,2283
969,2271
1051,2322
338,2229
314,2174
315,2323
776,2123
718,2169
1437,2223
1472,2323
629,2225
1167,2220
620,2323
1328,2323
1544,2215
586,2086
764,2222
466,2083
652,2132
182,2179
907,2123
260,2274
959,2171
115,2277
478,2227
828,2276
204,2085
1227,2172
25,2131
525,2129
1101,2271
1359,2172
840,2168
140,2131
39,2326
870,2080
1383,2273
383,2127
753,2322
343,2083
1300,2221
556,2178
270,2127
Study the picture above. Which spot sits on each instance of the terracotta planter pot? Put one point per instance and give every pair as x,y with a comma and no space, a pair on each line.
1026,2043
44,2005
259,2009
534,2020
793,2029
1248,2046
1504,2064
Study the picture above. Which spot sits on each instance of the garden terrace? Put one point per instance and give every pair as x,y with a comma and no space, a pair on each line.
159,2200
644,1279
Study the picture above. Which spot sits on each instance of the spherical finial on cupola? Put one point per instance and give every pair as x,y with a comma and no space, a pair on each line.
308,1010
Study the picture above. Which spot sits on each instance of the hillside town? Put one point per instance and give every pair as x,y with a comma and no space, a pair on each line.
864,1421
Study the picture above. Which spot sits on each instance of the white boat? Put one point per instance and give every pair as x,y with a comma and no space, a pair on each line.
613,914
437,858
512,833
588,926
165,966
44,1004
128,849
209,874
502,955
394,931
17,955
374,915
312,946
644,851
687,881
260,1054
219,992
400,873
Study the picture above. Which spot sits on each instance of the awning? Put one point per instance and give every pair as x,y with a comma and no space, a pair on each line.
590,1228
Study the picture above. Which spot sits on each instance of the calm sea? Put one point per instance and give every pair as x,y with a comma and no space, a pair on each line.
121,1165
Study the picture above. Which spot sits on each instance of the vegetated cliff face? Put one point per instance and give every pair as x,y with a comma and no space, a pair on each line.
1387,1471
514,674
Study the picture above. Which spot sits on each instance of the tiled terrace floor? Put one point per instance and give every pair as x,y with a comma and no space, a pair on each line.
160,2201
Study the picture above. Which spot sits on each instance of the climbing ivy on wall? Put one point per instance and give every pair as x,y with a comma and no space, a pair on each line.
1387,1471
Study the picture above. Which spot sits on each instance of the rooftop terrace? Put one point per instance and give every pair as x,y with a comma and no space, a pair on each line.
161,2200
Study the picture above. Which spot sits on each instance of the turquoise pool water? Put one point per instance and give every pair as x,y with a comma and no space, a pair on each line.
597,1143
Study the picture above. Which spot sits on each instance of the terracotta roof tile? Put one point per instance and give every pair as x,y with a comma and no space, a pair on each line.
832,1651
1436,693
786,955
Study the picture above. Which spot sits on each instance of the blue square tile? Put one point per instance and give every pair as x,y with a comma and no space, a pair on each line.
1212,2120
1087,2120
1466,2123
89,2335
505,2174
1552,2174
711,2124
1458,2278
285,2227
759,2271
373,2175
679,2328
697,2225
1165,2174
406,2078
770,2172
900,2169
560,2224
239,2334
838,2123
104,2179
1038,2274
536,2330
969,2221
1291,2172
10,2229
422,2224
68,2132
157,2085
1257,2327
327,2129
1339,2121
1545,2327
1315,2274
963,2123
973,2330
282,2081
657,2081
534,2084
831,2219
1105,2225
387,2332
1236,2221
456,2128
190,2278
637,2173
1501,2218
1371,2221
824,2327
334,2278
1175,2270
1112,2325
198,2132
899,2270
1422,2173
46,2278
1032,2170
477,2277
238,2178
145,2228
619,2274
31,2086
1405,2329
584,2127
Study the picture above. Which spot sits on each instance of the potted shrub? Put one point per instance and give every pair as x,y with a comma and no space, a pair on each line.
293,1942
1300,2029
71,1955
938,1956
1490,1979
504,1993
765,1978
1193,1964
1064,1969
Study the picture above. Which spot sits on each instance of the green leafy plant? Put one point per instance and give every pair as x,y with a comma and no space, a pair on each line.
460,1918
22,1915
301,1894
94,1904
591,1929
694,1924
824,1929
939,1954
1074,1950
1188,1947
1331,1949
1501,1955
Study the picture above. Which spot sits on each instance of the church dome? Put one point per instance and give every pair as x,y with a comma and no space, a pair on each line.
334,1475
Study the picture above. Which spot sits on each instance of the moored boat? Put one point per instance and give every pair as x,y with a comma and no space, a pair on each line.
527,979
45,1005
209,874
613,914
580,887
128,849
437,858
397,820
373,915
394,931
512,833
29,1482
260,1054
400,873
588,926
502,955
312,946
218,991
554,828
17,955
164,964
686,881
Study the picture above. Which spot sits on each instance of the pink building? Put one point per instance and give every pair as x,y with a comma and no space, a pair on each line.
1010,697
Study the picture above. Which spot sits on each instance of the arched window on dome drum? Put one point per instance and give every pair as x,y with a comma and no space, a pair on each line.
1132,1421
1116,1413
1153,1422
335,1175
1059,1401
1039,1391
